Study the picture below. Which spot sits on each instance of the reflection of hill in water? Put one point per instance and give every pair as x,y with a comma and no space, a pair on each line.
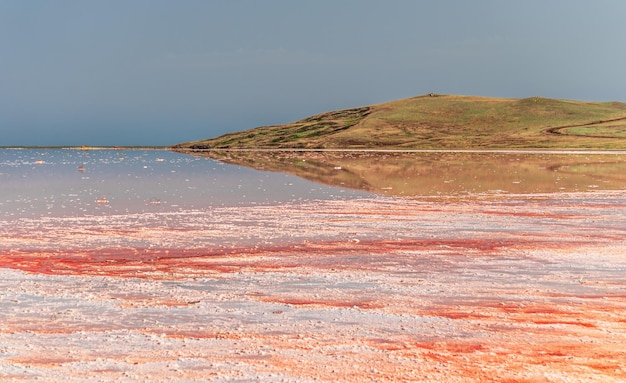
432,174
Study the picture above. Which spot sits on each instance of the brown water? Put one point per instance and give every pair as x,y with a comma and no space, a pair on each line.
428,174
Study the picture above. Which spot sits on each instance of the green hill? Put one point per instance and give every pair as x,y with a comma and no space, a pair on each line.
444,122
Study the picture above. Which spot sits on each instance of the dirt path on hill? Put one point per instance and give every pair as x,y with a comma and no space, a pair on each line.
558,129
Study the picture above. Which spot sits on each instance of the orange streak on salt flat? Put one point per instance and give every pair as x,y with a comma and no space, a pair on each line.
176,263
458,292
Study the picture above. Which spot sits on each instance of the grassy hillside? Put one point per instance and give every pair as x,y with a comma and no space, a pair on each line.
445,122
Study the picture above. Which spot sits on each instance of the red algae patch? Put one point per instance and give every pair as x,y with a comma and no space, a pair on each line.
527,288
179,263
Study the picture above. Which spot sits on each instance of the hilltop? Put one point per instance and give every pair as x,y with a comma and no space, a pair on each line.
444,122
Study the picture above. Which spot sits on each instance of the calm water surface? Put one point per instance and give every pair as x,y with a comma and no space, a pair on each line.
96,182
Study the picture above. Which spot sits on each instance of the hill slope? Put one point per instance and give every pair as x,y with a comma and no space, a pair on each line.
444,122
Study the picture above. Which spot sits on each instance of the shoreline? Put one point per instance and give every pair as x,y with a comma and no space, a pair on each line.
84,147
486,151
324,150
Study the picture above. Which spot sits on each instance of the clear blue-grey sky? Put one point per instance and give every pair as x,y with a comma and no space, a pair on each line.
158,72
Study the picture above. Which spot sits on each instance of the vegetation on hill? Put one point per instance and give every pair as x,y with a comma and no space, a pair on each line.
444,122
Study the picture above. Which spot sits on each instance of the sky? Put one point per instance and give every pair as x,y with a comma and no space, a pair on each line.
159,72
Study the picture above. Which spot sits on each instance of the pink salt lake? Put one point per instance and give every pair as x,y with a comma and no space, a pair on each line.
133,266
